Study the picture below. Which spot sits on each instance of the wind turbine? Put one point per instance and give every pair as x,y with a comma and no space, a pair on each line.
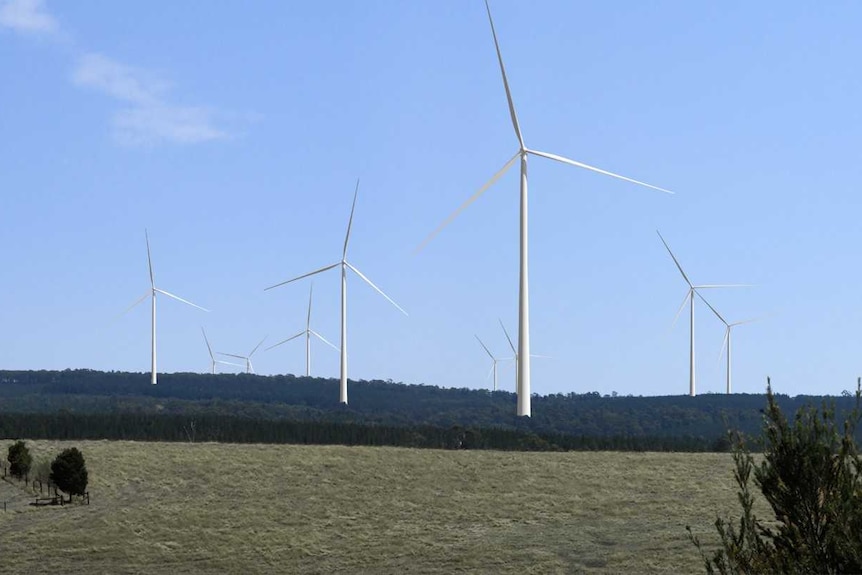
307,332
514,351
524,407
212,357
728,327
249,368
689,297
495,360
152,293
345,265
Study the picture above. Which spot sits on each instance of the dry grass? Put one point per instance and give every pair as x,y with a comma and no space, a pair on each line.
219,508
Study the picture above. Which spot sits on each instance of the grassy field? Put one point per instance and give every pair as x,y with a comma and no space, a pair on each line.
224,508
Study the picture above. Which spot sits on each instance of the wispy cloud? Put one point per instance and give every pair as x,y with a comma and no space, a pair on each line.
149,118
28,16
146,116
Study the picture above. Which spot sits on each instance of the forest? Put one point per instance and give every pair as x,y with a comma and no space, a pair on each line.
87,404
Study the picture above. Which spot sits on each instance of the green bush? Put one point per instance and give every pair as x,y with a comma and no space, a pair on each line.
19,459
69,472
811,477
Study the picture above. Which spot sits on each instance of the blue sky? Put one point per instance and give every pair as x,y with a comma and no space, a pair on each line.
235,136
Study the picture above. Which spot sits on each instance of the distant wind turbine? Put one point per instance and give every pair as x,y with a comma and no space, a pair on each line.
728,327
515,352
213,360
152,293
524,406
249,368
689,298
494,360
345,265
307,332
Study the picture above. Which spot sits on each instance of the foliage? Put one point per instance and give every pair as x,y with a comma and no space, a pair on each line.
811,477
19,459
69,472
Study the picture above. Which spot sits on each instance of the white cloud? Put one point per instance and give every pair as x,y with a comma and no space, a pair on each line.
147,125
151,119
115,79
26,16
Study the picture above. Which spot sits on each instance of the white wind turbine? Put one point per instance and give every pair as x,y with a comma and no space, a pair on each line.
524,290
728,327
152,293
689,298
345,265
213,360
515,353
307,332
494,360
249,368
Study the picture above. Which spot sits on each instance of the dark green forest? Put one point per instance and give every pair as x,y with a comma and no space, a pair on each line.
78,404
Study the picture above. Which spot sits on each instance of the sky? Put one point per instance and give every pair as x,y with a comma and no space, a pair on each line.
235,136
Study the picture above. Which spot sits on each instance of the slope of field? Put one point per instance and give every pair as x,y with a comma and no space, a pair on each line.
226,508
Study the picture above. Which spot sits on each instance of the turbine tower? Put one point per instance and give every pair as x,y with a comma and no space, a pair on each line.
307,332
152,293
494,361
689,298
523,391
213,360
345,265
728,327
249,368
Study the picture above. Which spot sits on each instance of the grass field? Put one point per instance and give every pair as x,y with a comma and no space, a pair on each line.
226,508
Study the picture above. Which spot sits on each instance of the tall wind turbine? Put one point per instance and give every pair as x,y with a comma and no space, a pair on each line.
494,360
152,293
689,298
213,360
728,327
524,290
249,368
345,265
307,332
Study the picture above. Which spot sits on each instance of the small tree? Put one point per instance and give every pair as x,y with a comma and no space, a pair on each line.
19,459
811,477
69,472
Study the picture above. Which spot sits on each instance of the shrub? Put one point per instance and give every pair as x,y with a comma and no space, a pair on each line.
811,477
69,472
19,459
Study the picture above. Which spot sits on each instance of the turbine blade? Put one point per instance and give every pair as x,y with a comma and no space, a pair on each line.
748,321
491,355
505,79
323,339
679,267
679,311
709,305
350,221
469,201
178,298
323,269
257,346
490,371
542,356
597,170
380,291
510,339
724,342
232,355
228,363
285,341
142,298
209,349
149,259
713,286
